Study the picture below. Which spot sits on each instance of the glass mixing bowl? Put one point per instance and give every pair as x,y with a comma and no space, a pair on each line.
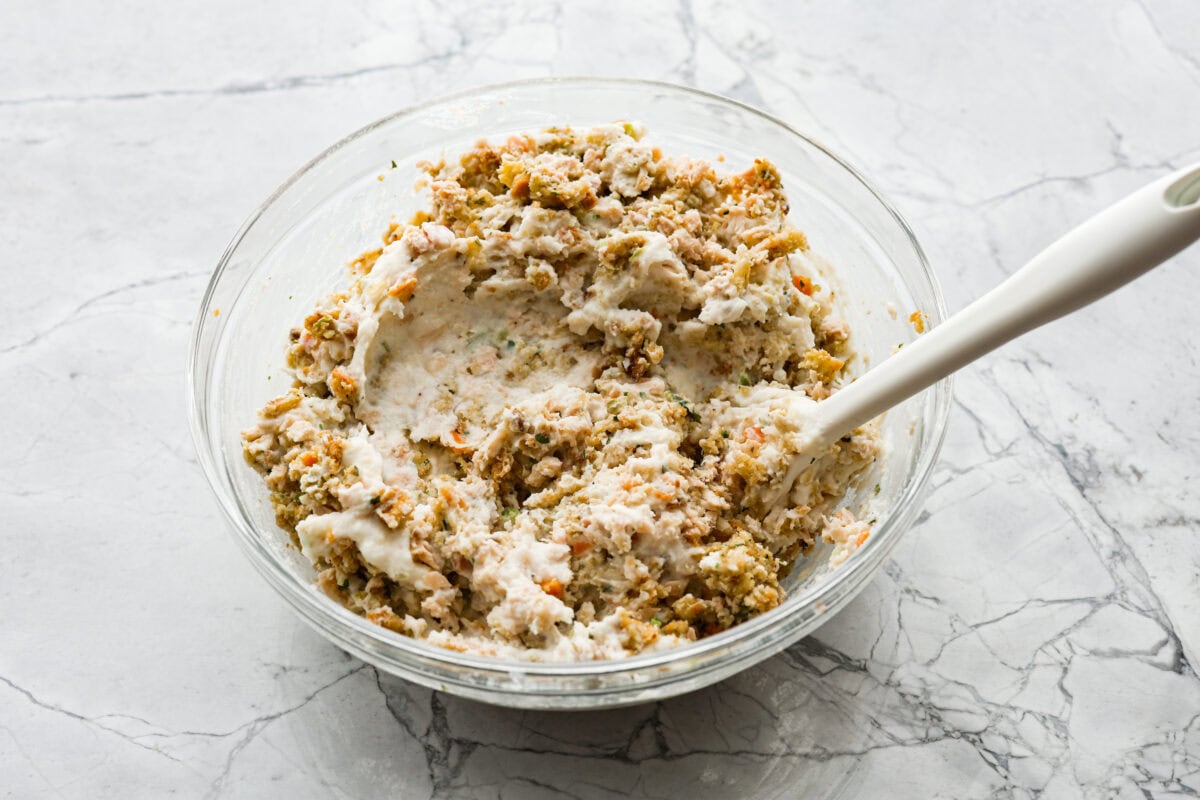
291,251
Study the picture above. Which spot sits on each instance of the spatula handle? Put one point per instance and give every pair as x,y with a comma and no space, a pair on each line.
1107,251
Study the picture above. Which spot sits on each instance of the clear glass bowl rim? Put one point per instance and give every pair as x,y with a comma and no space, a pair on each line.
329,617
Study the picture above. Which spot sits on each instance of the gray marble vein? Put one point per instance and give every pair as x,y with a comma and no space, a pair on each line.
1035,634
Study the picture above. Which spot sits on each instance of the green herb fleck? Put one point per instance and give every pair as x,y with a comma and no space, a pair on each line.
877,488
445,524
375,500
344,585
509,513
692,415
542,438
629,130
393,163
724,434
744,379
656,622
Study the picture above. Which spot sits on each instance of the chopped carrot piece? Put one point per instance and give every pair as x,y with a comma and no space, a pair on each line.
308,459
553,587
862,537
459,442
756,434
802,284
580,546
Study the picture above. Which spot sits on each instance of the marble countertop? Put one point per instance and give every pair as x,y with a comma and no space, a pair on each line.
1036,634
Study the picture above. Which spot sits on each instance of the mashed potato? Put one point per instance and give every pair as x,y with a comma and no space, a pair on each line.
541,420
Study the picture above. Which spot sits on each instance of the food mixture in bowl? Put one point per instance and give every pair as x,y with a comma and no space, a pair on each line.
544,419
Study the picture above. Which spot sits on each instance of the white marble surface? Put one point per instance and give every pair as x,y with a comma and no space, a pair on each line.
1035,635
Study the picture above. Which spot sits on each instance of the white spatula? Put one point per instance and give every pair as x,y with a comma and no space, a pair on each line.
1107,251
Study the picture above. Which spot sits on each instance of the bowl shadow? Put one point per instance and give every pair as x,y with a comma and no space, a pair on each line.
794,725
